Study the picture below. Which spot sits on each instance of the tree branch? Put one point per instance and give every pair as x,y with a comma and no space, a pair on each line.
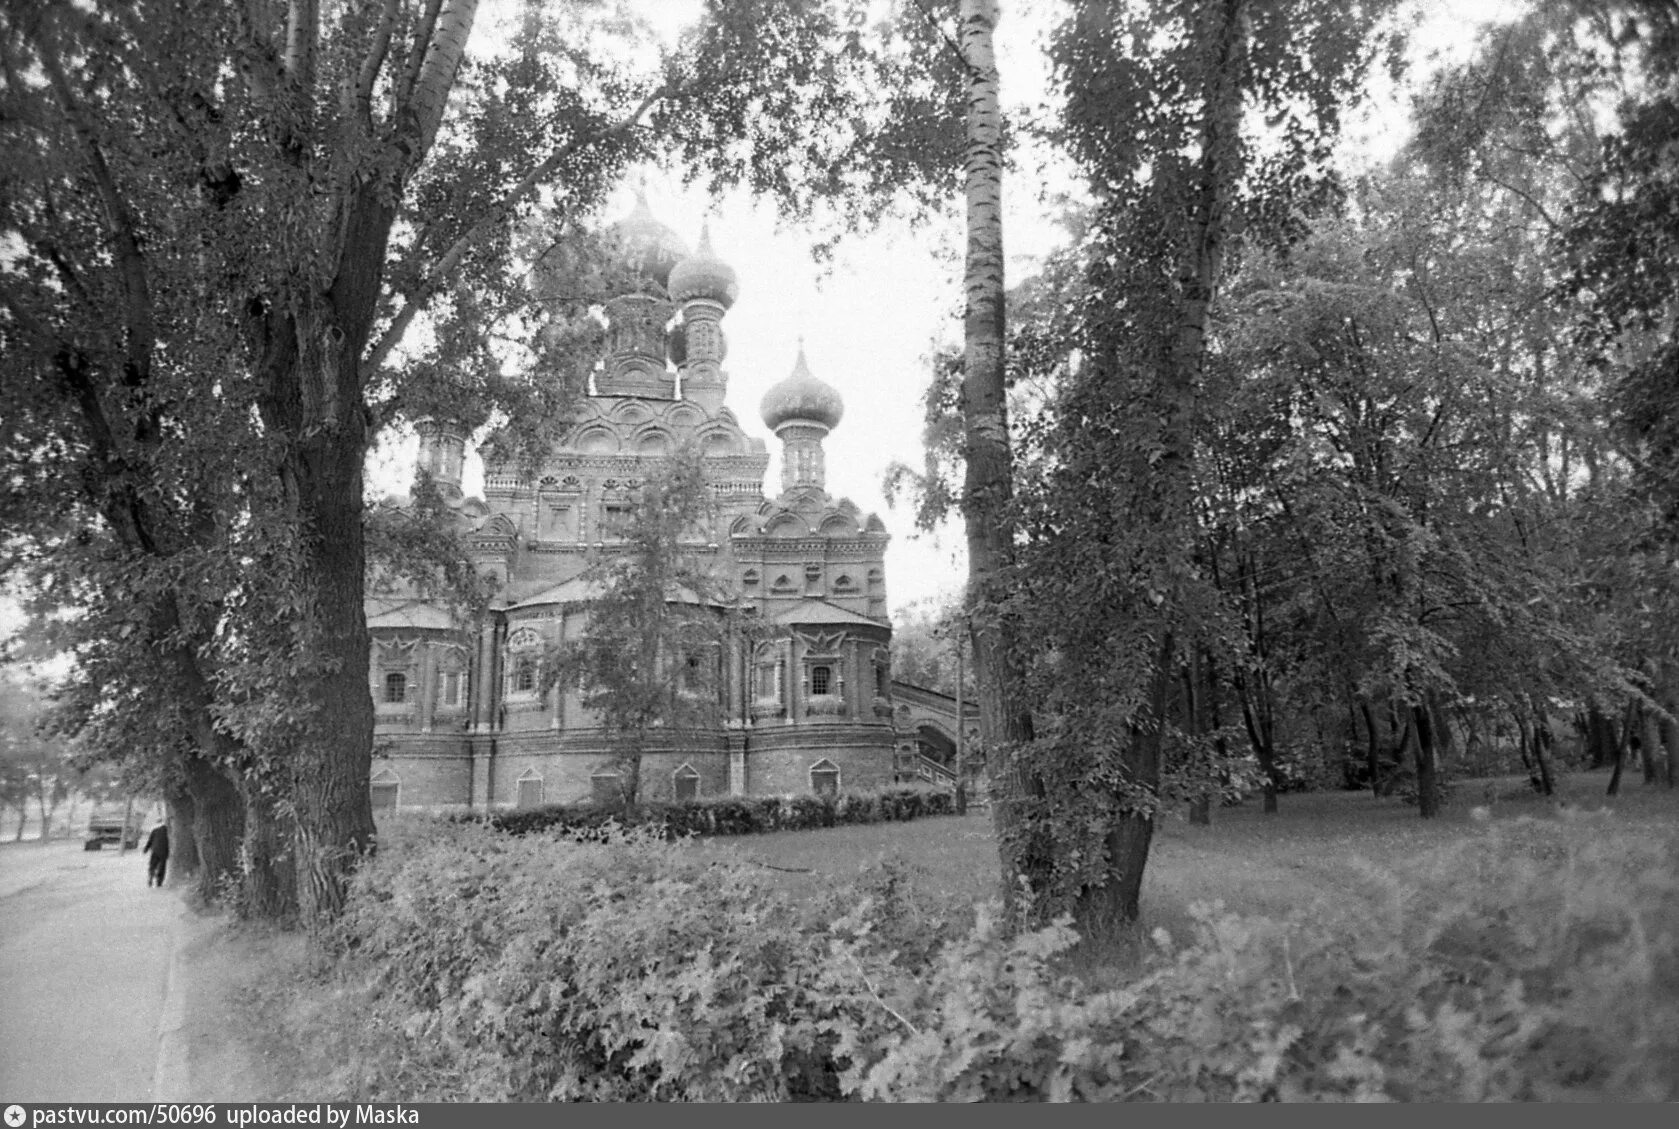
302,29
371,64
131,263
417,54
436,79
434,277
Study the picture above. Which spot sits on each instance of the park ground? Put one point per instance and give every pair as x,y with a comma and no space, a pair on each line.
228,986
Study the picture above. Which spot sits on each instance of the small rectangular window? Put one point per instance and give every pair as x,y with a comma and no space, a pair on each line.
606,789
530,792
452,688
615,521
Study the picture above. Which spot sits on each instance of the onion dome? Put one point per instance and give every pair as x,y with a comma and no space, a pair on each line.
650,248
704,275
801,397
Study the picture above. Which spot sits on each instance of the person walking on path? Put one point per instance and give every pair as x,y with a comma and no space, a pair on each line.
157,845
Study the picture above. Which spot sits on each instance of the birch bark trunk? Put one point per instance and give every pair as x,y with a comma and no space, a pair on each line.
988,488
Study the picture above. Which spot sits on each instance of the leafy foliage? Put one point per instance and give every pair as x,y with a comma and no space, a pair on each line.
652,649
1532,962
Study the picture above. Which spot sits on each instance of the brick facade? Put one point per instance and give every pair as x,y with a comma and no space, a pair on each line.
462,720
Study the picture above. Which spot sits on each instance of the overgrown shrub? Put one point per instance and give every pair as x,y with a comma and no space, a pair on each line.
734,815
1537,961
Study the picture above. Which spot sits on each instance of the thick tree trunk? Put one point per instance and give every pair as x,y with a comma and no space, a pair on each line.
183,841
1598,733
333,761
270,888
1428,787
218,827
988,487
1104,910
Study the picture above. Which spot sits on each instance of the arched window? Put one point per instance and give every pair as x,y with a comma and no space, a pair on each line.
530,789
524,676
821,680
825,778
396,687
385,788
686,783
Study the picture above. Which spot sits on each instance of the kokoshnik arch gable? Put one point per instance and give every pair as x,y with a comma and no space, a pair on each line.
462,718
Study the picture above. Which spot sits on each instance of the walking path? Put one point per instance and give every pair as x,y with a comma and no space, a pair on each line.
87,1010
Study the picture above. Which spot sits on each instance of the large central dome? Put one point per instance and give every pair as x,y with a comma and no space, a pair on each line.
650,248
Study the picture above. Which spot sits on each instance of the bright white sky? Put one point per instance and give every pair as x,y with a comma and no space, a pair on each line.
870,323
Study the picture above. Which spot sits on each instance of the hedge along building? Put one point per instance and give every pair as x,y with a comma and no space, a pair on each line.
803,704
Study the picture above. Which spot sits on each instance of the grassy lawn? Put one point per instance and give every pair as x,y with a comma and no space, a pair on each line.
1318,845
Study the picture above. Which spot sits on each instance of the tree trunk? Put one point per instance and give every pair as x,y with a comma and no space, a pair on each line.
1177,381
1373,752
218,827
1524,745
270,891
1264,750
1650,746
331,760
183,845
988,486
41,790
1444,739
1428,787
1104,910
1542,740
1668,695
1623,740
1598,733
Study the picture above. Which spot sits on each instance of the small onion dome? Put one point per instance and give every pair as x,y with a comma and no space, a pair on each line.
704,275
801,397
650,248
